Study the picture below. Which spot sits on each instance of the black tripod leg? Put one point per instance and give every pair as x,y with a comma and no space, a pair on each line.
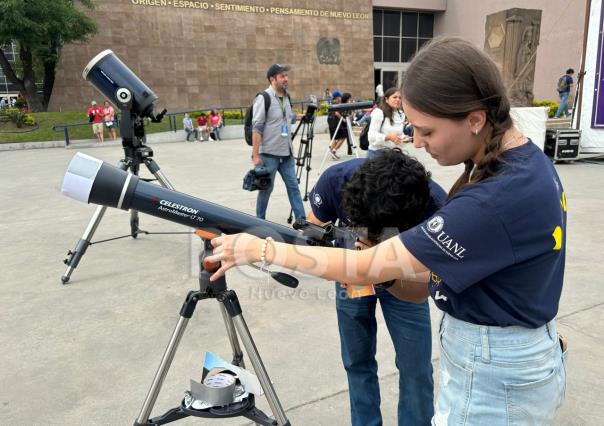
186,312
233,308
232,334
80,249
352,143
134,229
155,171
300,161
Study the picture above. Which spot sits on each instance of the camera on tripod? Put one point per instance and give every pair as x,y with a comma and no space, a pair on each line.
257,178
311,110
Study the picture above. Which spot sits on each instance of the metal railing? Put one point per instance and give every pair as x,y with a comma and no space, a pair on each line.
241,109
172,117
65,128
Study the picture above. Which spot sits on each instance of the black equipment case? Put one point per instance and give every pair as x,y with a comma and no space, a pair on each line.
562,144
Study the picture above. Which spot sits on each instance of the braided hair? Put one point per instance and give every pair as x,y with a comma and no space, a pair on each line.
450,78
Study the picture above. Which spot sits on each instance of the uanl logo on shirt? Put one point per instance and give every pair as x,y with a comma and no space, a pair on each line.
436,224
444,240
317,200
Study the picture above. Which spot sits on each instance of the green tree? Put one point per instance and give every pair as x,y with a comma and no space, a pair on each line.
40,28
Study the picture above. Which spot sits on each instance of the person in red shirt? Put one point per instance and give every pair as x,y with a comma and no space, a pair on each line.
202,127
109,119
95,115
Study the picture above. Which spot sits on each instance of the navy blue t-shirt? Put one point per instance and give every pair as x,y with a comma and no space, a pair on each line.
326,196
569,82
496,249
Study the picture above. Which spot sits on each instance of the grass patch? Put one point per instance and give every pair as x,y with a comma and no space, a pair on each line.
46,120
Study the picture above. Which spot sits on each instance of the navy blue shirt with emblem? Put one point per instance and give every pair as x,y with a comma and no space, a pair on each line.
326,196
496,249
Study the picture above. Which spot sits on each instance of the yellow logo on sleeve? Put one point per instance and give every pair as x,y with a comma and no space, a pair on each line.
563,202
557,234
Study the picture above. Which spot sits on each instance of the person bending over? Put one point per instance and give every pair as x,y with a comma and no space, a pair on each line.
389,193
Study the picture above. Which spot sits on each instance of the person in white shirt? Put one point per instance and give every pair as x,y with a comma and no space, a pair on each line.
379,92
387,124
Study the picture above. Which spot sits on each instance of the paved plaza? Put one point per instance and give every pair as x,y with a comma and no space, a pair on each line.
86,352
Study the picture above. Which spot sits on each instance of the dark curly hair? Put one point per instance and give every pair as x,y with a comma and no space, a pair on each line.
391,190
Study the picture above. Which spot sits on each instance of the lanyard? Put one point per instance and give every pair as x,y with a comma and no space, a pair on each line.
282,104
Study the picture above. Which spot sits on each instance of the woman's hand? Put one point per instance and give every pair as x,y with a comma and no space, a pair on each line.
394,138
234,250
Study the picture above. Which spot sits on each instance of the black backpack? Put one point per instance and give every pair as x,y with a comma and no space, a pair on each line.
364,136
247,124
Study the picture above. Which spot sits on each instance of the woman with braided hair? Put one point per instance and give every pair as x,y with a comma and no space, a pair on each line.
492,257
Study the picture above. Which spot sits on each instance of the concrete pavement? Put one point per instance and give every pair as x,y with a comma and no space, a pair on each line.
86,352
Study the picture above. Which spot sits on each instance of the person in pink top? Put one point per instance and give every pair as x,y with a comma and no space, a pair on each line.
109,119
95,116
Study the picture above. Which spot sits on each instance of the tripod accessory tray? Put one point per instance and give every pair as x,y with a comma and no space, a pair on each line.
219,387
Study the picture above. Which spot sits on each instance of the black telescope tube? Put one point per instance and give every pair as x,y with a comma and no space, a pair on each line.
350,106
93,181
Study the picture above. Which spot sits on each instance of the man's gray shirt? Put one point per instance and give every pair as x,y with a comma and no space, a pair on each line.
269,125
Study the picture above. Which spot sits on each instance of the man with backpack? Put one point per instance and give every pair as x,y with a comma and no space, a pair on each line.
564,85
271,121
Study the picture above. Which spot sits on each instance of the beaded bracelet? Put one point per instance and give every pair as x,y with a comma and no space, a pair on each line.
263,253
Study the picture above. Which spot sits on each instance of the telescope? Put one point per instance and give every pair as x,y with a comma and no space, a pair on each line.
110,76
350,106
91,180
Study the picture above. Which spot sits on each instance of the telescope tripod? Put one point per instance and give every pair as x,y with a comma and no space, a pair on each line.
135,154
304,157
235,326
351,140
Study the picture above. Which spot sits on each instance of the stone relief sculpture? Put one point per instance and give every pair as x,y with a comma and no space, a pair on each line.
328,51
512,37
524,72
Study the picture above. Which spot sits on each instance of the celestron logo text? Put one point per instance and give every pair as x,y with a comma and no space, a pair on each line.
178,207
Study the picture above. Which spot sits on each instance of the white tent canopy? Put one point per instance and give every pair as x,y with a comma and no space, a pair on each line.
592,105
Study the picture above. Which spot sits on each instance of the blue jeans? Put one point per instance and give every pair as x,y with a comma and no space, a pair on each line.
286,167
499,376
409,328
371,153
563,107
216,131
191,132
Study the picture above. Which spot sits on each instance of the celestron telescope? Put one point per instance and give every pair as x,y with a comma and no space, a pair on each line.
110,76
93,181
344,110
